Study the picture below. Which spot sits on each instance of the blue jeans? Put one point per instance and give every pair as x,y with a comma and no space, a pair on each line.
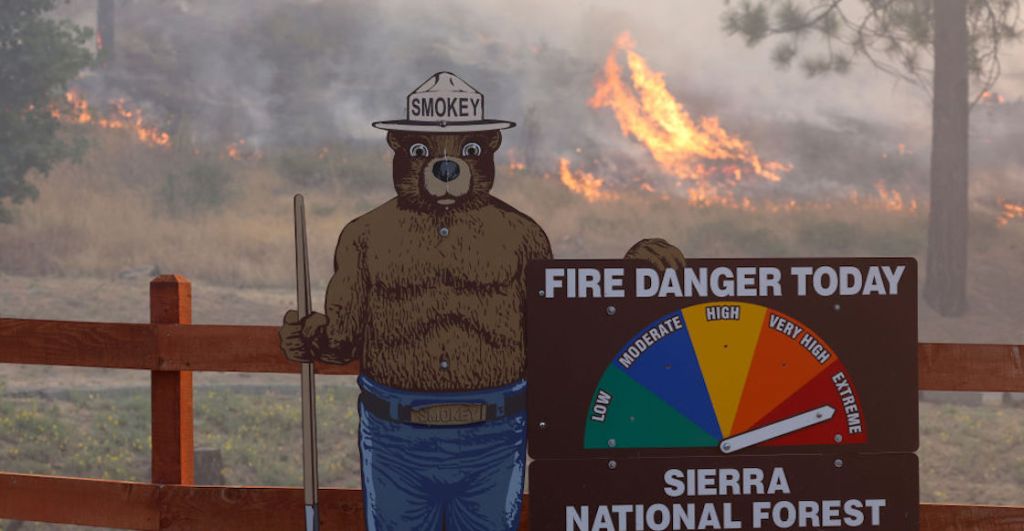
451,478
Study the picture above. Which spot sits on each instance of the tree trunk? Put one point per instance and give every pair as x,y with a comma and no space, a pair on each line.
105,31
946,267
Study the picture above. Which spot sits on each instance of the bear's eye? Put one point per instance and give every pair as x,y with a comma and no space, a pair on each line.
472,149
419,150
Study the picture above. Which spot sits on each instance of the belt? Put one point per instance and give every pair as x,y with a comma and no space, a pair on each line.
444,413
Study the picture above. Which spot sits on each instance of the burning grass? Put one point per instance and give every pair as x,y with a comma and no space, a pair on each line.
697,158
1010,212
700,153
118,116
583,183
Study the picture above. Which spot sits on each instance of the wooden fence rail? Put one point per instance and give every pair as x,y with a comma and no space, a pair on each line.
171,348
235,348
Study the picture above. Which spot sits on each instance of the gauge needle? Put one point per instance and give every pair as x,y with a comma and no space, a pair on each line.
777,429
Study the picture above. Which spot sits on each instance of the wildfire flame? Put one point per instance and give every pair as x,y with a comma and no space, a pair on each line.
238,150
892,200
584,183
121,118
993,98
1011,211
901,150
514,162
688,149
707,161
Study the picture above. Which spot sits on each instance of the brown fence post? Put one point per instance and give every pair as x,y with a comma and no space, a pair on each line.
170,302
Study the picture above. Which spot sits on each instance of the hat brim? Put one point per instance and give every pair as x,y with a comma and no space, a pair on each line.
449,127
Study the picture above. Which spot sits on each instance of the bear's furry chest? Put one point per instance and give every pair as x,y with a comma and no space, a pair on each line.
444,300
462,251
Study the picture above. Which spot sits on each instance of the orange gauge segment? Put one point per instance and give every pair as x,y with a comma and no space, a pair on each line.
787,356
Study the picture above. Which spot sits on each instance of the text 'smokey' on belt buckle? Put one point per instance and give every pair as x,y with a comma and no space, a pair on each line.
448,414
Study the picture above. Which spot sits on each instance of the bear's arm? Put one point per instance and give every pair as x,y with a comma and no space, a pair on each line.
538,247
345,306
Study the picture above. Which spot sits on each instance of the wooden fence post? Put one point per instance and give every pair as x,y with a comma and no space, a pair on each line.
170,302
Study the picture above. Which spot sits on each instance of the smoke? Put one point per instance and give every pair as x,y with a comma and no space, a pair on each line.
279,73
358,59
301,81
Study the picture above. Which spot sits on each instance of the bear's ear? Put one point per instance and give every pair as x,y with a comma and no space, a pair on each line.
394,141
494,141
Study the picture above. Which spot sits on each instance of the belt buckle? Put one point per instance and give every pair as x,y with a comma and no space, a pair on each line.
448,414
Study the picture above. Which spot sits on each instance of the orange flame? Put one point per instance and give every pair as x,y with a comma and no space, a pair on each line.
993,98
584,183
1011,211
238,150
892,200
121,118
704,193
708,162
682,147
514,162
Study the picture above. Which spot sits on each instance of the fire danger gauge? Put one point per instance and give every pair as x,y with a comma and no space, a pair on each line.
726,375
732,394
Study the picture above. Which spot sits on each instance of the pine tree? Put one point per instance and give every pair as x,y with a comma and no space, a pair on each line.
963,38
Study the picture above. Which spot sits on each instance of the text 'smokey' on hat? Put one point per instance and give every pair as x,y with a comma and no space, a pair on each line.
444,103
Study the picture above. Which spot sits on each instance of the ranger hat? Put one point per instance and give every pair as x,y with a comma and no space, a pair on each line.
444,104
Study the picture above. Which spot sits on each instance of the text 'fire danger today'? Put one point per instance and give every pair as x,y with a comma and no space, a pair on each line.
739,281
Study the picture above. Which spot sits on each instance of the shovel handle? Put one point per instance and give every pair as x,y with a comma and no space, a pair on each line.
310,480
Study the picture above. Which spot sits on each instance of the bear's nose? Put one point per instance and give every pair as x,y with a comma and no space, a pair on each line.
446,170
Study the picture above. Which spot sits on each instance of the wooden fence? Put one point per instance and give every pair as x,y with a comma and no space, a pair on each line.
171,348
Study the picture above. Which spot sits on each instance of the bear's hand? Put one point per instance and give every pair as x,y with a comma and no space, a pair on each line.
299,336
345,353
661,254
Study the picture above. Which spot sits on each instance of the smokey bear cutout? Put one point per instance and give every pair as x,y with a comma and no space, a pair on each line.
428,293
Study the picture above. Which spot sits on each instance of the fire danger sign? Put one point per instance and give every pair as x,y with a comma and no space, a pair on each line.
732,359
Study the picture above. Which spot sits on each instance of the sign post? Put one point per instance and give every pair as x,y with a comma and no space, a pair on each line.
733,394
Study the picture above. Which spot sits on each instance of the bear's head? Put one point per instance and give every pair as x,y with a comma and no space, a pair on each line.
443,170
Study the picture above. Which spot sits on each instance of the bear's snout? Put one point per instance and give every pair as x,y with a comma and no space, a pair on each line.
446,170
446,179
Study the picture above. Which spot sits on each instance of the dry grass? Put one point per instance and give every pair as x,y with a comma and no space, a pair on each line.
128,208
110,213
114,211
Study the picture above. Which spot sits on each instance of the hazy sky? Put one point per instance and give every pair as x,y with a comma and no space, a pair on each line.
680,37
